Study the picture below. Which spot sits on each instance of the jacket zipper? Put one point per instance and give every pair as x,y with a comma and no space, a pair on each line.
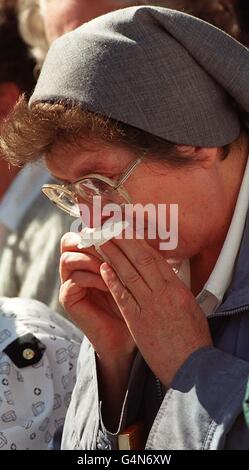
159,391
227,313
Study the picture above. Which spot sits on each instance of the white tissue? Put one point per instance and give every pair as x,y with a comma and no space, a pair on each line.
99,235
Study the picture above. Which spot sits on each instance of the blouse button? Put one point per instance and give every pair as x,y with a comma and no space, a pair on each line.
28,354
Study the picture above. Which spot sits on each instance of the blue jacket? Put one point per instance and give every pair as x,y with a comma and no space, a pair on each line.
203,408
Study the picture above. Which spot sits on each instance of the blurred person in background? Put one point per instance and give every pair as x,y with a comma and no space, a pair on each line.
61,16
16,77
42,21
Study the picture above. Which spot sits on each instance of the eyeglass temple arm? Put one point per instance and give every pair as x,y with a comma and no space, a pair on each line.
129,171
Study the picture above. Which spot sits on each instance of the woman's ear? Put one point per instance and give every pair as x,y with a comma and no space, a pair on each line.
207,156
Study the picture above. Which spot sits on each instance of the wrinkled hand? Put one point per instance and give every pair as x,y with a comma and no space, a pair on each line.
88,301
160,312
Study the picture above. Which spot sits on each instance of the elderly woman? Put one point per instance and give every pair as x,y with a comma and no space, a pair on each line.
156,100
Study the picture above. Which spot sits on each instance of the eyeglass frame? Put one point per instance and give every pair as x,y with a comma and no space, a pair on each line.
116,185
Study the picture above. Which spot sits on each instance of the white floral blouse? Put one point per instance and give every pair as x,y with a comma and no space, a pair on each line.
38,357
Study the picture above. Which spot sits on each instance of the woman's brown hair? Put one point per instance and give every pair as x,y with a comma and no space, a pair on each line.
31,132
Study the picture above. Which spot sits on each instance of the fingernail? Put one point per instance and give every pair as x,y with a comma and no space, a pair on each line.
105,268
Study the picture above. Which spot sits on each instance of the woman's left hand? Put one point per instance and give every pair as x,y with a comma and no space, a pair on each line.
160,311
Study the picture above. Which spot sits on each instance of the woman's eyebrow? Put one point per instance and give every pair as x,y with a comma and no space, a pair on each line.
56,178
61,180
81,173
95,169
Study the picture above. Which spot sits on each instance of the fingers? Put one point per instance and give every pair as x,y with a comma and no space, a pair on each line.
148,261
88,280
126,272
74,300
70,241
122,296
70,294
139,267
75,261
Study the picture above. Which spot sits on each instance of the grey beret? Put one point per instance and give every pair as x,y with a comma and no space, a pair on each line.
157,69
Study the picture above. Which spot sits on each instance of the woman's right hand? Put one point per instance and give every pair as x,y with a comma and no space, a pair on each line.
88,301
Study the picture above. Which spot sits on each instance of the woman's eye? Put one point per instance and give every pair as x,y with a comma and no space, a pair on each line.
111,177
